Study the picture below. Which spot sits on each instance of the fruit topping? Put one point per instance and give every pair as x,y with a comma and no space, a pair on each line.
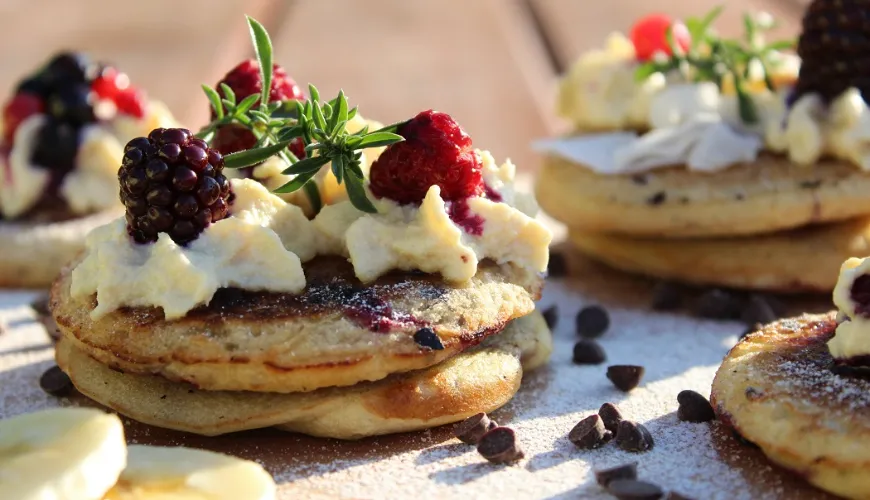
172,183
21,107
833,47
244,80
115,86
649,36
436,151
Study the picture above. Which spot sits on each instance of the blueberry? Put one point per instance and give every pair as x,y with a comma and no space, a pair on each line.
72,104
56,146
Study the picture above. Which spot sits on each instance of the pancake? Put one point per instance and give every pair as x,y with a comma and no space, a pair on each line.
776,389
770,194
800,260
480,379
337,332
34,253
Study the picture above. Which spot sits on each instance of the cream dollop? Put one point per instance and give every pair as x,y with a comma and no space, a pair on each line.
853,334
244,250
91,186
426,238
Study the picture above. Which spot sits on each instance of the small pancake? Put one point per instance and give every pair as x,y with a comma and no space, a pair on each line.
776,389
480,379
337,332
770,194
33,254
800,260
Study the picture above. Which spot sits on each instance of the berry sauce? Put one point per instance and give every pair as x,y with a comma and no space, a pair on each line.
460,213
860,295
491,193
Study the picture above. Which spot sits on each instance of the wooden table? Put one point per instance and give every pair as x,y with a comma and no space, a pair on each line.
493,65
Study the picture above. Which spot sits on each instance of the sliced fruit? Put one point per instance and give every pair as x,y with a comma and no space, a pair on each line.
155,472
61,454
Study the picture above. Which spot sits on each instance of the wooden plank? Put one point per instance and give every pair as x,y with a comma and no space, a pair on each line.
573,26
168,47
479,61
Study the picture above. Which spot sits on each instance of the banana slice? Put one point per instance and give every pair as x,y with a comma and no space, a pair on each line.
160,473
62,454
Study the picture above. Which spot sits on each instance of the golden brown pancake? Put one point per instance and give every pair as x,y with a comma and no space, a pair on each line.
770,194
777,389
480,379
337,332
800,260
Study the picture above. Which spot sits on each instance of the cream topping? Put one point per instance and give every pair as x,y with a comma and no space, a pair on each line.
92,186
243,251
853,333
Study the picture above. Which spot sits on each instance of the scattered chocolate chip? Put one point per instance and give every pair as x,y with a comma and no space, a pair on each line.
694,407
673,495
55,382
667,296
589,433
657,199
500,446
810,184
551,316
634,437
592,322
758,310
473,428
639,179
40,307
611,416
742,440
426,337
684,200
632,489
558,266
627,471
739,196
625,377
588,352
718,304
750,329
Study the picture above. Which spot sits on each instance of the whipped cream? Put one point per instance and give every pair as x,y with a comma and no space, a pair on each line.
91,186
853,334
263,244
243,251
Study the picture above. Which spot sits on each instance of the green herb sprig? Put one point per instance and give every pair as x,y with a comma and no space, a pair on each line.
320,125
711,58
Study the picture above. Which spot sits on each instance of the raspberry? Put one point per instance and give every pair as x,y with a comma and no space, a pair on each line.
115,86
172,183
436,151
18,109
244,80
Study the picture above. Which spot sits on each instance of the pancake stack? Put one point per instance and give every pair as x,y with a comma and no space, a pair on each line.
342,359
768,224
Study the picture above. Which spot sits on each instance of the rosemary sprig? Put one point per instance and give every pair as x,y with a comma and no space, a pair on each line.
321,126
712,58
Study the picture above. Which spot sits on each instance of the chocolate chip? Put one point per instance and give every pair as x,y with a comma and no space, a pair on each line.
473,428
500,446
611,416
673,495
739,196
588,352
551,316
633,437
592,322
667,296
632,489
625,377
589,433
55,382
639,179
426,337
718,304
626,471
694,407
758,310
558,266
657,199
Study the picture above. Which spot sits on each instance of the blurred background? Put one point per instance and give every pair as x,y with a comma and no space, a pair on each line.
492,64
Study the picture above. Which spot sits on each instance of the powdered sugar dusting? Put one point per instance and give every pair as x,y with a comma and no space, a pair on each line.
697,460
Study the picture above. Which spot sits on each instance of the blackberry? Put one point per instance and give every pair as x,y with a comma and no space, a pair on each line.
73,104
835,48
172,183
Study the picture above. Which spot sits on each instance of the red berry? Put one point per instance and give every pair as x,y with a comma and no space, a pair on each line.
244,80
131,102
649,35
115,86
18,109
436,151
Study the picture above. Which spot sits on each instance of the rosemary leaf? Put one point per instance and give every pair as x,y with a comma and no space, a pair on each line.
250,157
357,193
228,93
215,100
263,49
296,183
306,166
313,195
